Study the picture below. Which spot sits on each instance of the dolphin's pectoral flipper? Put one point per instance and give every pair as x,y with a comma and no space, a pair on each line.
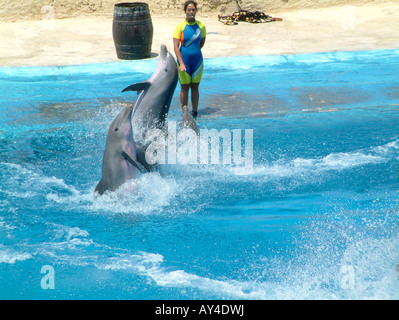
141,158
138,86
131,160
99,187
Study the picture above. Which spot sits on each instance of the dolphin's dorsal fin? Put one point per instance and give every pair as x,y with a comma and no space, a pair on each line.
138,86
131,160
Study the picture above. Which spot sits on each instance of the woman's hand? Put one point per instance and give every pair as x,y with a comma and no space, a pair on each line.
182,67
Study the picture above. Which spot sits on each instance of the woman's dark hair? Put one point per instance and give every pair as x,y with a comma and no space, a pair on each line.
190,2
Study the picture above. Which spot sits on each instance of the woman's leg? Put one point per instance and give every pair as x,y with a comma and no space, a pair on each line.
184,94
195,96
195,81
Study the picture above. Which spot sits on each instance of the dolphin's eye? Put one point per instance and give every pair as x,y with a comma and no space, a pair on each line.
166,70
116,129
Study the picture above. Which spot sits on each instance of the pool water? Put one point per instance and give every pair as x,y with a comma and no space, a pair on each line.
315,217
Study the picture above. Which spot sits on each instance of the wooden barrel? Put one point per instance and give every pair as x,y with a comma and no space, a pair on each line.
132,30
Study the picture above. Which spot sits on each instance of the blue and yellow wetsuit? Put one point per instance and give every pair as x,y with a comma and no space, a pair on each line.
190,35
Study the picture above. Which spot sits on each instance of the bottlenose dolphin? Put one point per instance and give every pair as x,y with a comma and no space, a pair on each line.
187,121
121,154
154,101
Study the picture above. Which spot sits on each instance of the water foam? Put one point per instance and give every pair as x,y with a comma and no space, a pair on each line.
309,275
285,168
149,194
23,182
150,265
316,269
10,256
350,256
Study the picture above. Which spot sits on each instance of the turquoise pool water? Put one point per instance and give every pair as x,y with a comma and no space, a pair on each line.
315,217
